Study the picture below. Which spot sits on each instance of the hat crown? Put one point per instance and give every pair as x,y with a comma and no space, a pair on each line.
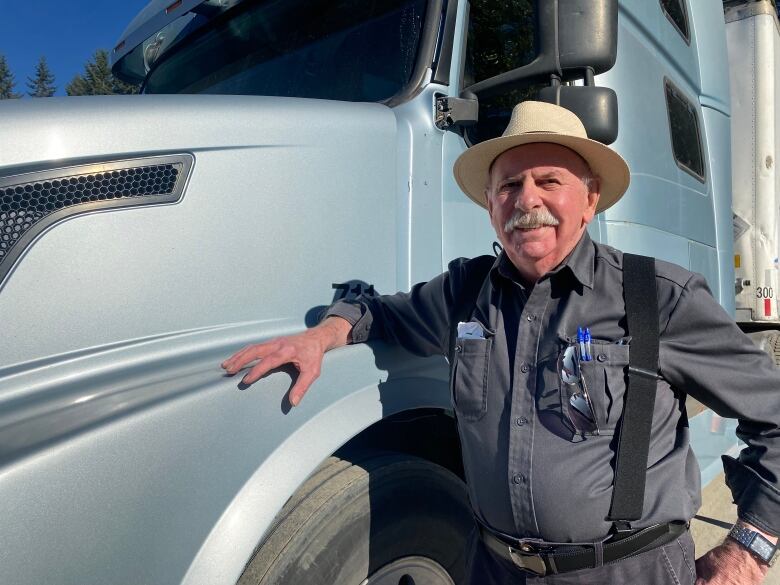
540,122
532,117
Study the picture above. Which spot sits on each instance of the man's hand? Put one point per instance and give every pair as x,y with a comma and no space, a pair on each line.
305,351
731,564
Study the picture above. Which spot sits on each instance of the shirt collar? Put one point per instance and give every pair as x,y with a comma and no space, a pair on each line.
580,263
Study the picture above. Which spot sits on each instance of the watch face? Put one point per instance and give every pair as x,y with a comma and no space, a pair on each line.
762,547
754,542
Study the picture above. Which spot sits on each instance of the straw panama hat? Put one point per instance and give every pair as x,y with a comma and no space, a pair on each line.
543,122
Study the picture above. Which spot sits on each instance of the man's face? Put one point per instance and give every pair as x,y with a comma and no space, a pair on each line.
537,184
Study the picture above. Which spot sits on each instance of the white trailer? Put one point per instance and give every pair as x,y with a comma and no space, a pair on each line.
753,40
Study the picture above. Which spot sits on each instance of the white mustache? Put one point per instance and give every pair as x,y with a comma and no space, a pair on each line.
530,219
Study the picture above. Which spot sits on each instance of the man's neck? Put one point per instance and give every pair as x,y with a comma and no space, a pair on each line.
531,271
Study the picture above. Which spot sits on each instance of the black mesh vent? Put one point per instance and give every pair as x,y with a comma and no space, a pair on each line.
23,205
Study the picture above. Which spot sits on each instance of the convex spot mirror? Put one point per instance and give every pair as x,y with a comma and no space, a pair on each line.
596,106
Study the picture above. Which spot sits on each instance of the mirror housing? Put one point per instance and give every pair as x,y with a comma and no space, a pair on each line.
597,107
587,35
572,36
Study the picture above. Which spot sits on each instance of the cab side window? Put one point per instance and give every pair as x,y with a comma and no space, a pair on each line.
685,132
501,37
675,11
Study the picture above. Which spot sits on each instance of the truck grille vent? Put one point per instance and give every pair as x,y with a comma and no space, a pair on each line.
32,201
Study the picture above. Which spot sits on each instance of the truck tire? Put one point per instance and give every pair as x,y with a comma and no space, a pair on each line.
769,341
390,519
773,348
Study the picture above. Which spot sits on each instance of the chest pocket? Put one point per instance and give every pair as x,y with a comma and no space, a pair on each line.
606,376
469,381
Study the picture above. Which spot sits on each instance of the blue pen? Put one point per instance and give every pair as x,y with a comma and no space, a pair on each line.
581,341
587,345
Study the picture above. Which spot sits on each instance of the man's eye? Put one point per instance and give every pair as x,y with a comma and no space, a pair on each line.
511,186
550,182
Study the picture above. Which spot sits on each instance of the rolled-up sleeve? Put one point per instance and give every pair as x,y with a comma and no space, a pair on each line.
417,320
704,354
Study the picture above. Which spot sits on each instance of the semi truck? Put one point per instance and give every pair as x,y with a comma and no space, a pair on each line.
283,155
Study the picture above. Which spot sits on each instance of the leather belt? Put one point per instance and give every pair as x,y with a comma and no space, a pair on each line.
539,558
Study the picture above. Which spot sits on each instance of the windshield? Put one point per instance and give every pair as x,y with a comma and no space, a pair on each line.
352,50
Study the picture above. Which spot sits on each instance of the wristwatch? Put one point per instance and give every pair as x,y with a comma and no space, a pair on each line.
755,543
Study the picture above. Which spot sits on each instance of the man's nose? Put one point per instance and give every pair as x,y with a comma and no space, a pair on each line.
528,197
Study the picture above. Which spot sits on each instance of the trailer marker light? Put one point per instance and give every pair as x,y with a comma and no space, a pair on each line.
173,7
119,46
767,307
736,261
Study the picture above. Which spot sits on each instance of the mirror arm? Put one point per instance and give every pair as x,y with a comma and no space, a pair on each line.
588,77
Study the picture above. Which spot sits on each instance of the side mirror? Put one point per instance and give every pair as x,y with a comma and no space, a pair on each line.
572,36
596,106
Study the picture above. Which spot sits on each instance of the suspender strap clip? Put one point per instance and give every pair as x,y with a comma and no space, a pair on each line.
642,373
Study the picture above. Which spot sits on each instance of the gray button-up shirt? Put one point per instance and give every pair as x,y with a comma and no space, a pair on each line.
528,473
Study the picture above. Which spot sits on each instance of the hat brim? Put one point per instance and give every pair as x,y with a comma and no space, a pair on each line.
471,167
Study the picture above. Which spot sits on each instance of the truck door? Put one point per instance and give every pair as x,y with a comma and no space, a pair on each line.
490,38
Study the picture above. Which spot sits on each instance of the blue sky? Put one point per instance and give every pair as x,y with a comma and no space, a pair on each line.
67,32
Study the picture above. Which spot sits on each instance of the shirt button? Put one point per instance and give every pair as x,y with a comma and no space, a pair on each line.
602,357
520,421
530,318
524,368
518,478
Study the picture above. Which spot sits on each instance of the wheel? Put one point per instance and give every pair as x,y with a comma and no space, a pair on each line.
769,341
773,348
391,519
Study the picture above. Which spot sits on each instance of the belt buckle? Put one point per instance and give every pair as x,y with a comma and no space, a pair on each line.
527,559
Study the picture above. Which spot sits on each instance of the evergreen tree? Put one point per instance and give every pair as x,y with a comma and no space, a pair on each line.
7,82
98,74
42,85
97,79
77,86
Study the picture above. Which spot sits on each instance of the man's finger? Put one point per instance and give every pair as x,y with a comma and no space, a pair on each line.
247,355
232,359
301,386
266,365
243,349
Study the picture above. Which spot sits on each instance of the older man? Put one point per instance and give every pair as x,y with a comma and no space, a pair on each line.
538,420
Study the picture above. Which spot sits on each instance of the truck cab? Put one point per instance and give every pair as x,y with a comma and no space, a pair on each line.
283,155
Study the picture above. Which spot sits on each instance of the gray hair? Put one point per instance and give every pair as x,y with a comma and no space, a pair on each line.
587,180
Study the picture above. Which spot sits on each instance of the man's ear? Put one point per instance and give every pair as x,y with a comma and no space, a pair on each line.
594,192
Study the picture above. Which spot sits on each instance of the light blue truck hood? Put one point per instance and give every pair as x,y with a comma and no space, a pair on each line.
289,179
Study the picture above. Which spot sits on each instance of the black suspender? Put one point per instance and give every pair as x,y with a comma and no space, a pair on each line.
639,291
641,298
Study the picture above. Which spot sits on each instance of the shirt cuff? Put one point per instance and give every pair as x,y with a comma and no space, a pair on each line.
357,314
758,501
